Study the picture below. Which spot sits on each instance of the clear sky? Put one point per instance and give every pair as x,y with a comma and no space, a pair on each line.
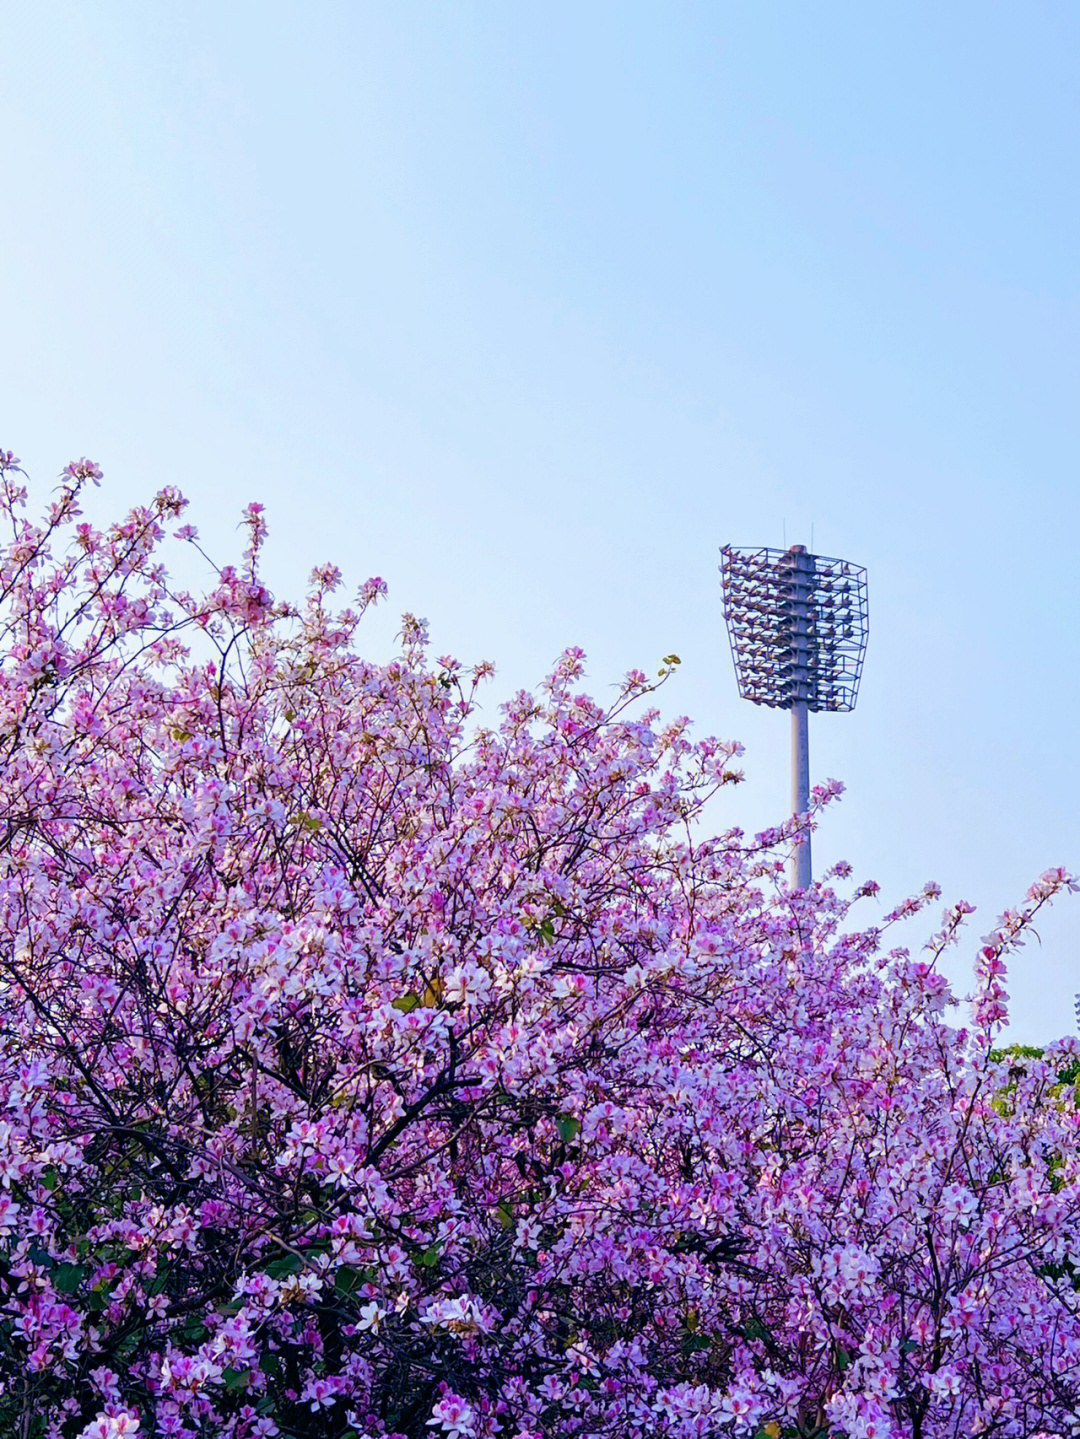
530,307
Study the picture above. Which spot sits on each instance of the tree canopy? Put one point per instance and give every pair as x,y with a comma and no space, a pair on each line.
367,1069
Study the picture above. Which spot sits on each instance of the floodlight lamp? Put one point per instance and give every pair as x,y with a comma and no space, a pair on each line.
798,625
792,605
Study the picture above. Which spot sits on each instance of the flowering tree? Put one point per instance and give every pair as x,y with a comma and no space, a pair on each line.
366,1071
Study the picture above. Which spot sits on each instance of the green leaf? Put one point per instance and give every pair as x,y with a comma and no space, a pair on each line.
51,1178
696,1343
430,1256
568,1126
270,1364
406,1003
347,1279
68,1277
284,1266
236,1379
504,1215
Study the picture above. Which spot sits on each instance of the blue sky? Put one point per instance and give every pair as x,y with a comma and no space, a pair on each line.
530,308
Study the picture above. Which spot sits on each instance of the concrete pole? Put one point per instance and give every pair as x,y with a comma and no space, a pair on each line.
800,789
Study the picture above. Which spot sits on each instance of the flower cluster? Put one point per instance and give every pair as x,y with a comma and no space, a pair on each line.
370,1071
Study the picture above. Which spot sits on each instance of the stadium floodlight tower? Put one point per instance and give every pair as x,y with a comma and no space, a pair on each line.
798,625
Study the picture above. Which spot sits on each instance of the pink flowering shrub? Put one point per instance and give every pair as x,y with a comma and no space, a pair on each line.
365,1071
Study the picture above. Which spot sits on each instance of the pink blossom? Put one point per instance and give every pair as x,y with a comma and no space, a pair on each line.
454,1416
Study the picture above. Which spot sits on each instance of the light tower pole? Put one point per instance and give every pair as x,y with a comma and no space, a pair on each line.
798,625
802,571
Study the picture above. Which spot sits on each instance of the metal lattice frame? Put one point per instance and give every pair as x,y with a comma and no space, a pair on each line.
798,625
